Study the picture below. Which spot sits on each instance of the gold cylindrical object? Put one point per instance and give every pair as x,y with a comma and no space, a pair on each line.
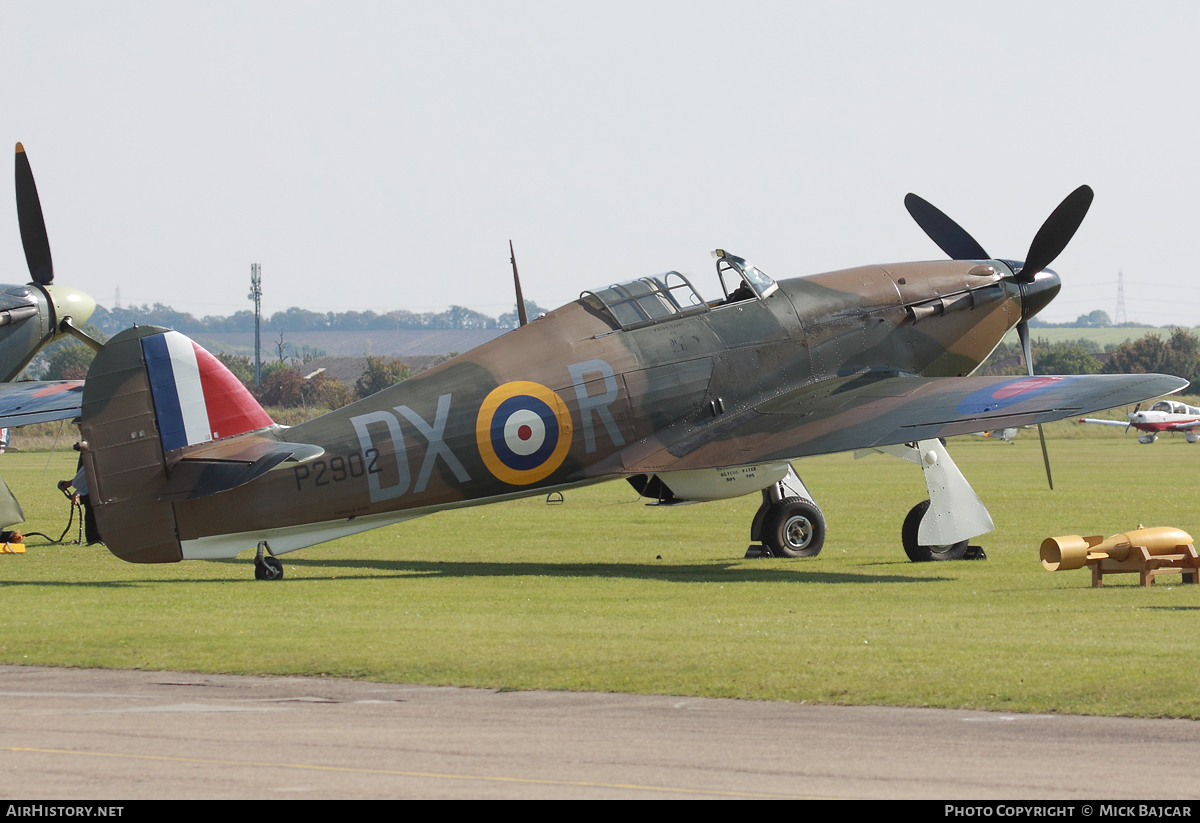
1072,551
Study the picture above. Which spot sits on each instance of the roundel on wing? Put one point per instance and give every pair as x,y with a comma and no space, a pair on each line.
1008,393
523,431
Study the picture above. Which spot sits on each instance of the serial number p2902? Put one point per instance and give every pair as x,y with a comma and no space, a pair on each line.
337,468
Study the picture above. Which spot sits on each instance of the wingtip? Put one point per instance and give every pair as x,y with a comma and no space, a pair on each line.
20,149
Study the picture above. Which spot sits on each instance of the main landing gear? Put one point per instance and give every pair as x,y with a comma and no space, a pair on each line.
267,566
790,524
912,543
939,528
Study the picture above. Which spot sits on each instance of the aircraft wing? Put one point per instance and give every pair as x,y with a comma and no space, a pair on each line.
1185,427
1101,422
880,409
39,401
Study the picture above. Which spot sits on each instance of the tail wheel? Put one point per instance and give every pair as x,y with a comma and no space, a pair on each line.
268,568
794,527
921,554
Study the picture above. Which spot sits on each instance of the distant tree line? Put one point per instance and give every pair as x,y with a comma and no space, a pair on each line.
1092,320
1177,354
1063,357
112,321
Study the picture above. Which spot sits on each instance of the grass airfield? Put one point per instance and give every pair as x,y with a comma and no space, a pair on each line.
603,593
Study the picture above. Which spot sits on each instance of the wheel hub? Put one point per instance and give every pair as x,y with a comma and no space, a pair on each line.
798,532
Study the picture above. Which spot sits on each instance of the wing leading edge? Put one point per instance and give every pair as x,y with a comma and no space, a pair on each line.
869,410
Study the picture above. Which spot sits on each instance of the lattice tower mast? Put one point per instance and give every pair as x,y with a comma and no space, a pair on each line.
256,295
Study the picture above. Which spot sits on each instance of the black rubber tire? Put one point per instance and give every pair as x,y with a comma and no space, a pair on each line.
269,568
794,527
923,554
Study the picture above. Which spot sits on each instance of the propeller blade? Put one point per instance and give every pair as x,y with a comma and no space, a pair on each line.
33,227
1045,456
949,236
1056,232
1027,350
1136,409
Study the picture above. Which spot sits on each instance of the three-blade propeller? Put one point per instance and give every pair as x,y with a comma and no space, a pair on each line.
1048,243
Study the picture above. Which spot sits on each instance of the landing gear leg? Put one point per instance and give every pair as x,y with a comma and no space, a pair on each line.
939,528
267,566
788,523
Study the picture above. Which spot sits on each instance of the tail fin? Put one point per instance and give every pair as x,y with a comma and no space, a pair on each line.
196,398
151,397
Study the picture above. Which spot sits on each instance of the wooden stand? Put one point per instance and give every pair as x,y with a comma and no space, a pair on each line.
1149,566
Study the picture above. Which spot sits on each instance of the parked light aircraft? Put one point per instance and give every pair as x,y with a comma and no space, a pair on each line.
688,399
1164,416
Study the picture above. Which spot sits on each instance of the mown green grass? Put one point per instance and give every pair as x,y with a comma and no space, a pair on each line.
603,593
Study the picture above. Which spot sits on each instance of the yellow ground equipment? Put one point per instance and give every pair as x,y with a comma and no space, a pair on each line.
13,543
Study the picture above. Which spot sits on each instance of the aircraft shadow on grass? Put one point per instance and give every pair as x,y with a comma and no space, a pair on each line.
697,573
398,569
80,584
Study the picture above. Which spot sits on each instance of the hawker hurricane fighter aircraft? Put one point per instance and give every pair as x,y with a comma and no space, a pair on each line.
1164,416
687,399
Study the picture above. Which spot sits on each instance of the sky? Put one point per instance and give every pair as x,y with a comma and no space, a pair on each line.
380,155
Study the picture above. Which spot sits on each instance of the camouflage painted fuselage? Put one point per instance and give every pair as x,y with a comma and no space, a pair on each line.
692,392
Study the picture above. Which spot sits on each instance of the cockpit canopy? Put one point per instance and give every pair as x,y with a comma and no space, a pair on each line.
1175,407
648,300
662,297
